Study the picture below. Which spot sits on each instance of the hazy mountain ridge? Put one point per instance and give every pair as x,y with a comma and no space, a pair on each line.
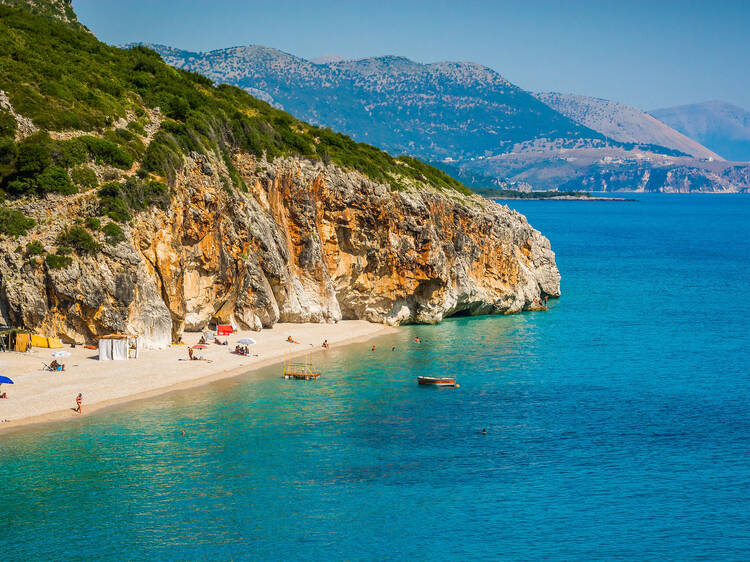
489,131
438,110
622,122
720,126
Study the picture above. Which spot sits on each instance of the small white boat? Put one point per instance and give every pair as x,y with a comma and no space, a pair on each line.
437,381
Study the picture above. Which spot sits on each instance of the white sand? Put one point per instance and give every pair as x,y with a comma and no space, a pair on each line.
41,396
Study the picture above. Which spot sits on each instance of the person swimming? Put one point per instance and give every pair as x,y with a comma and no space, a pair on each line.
374,348
418,339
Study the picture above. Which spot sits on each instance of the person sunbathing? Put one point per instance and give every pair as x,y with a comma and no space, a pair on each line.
290,340
325,344
4,396
202,340
238,350
55,366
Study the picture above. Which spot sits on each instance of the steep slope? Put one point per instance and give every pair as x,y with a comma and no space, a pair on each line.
60,10
622,122
142,198
722,127
434,111
462,114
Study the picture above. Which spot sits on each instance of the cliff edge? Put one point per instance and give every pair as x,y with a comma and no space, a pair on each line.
306,243
140,198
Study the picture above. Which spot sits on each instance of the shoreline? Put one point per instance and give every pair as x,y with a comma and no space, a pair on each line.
605,199
145,377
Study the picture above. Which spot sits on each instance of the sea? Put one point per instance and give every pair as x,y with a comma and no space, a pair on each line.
616,426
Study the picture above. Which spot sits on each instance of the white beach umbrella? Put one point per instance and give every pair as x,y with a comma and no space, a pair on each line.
247,341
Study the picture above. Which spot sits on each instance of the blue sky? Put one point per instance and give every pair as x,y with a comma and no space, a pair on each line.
647,54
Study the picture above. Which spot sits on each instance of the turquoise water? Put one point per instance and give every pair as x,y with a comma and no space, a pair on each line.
617,426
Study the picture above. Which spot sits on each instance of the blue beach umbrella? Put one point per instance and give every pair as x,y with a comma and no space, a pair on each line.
5,380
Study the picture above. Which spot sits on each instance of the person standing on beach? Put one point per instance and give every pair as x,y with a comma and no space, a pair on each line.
79,401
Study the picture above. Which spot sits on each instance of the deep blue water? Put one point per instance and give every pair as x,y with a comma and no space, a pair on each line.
617,426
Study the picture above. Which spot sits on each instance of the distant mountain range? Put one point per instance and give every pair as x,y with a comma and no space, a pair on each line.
720,126
623,123
473,122
434,111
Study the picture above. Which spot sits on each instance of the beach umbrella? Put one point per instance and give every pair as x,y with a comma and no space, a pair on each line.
5,380
61,354
247,341
199,346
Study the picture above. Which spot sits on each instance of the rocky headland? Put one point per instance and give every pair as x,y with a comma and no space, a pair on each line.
306,243
140,198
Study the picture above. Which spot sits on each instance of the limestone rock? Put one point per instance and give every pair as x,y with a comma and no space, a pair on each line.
305,243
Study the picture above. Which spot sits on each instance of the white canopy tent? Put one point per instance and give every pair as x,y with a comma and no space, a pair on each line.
119,347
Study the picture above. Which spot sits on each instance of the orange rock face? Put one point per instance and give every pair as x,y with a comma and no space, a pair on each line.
305,243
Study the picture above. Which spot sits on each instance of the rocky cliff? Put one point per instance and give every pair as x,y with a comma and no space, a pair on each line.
137,197
306,243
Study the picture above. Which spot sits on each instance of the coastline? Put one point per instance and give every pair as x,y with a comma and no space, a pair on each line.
564,198
39,397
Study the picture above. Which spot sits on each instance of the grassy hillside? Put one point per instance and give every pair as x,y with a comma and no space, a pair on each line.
64,79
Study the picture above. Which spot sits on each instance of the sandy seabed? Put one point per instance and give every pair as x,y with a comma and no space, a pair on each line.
42,396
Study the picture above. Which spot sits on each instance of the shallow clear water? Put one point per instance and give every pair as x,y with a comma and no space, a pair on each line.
617,426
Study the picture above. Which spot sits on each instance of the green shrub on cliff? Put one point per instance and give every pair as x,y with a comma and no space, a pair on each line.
93,223
79,239
83,177
14,223
55,261
69,153
34,153
8,154
113,233
7,124
117,200
107,152
34,248
55,179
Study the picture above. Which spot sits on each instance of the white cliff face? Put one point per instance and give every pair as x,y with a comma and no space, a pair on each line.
306,243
